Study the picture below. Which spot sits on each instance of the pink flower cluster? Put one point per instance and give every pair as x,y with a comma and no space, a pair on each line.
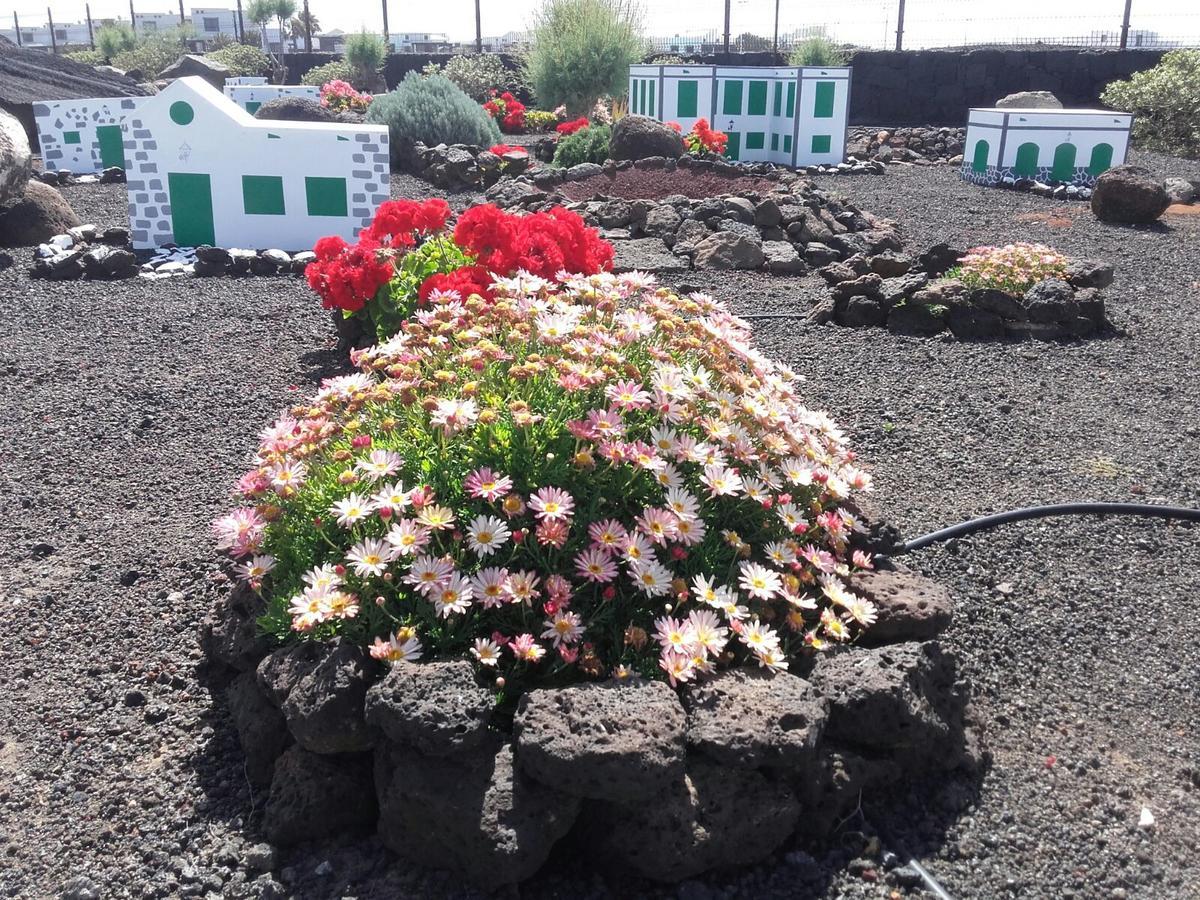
1013,268
341,95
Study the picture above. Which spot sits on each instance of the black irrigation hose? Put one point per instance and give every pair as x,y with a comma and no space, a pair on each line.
1041,512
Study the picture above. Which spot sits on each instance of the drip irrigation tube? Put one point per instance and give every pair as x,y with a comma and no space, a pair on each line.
1041,512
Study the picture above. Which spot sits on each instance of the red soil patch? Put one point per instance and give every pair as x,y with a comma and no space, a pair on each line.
1179,209
655,184
1063,217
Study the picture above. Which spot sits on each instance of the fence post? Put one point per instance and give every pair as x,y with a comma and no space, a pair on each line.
133,18
17,28
1125,25
775,39
53,40
87,8
478,30
727,4
181,19
900,27
241,24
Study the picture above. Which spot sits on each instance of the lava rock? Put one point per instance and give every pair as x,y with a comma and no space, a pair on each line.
479,816
190,64
909,607
818,254
661,220
115,235
437,707
103,261
1051,300
38,215
711,817
1004,305
229,633
748,719
16,160
638,137
767,214
1179,190
316,796
860,312
324,706
727,250
1129,194
870,285
1029,100
1089,273
582,171
890,264
261,728
939,259
782,258
971,323
739,209
295,109
843,777
913,318
611,740
113,175
689,236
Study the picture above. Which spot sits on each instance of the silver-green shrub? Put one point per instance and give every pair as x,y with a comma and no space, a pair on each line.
478,75
1165,102
433,110
331,71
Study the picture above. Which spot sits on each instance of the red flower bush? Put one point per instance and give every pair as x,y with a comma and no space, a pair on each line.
675,127
702,140
501,149
542,244
399,223
508,110
347,277
573,126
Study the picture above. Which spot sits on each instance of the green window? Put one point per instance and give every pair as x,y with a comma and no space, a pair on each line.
791,99
823,105
733,146
979,161
650,111
686,106
70,137
758,101
326,196
733,99
787,143
1027,160
821,143
777,106
1101,160
112,145
774,142
191,209
252,106
755,140
1064,163
262,195
181,113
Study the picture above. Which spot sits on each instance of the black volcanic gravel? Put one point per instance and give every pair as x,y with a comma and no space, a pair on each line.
131,406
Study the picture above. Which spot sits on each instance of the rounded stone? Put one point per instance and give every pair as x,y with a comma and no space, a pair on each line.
437,707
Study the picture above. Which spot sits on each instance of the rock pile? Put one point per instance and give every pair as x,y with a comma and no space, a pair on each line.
784,230
910,297
87,252
463,166
919,144
662,784
61,177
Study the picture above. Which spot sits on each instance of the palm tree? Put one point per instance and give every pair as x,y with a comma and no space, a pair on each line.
305,25
262,12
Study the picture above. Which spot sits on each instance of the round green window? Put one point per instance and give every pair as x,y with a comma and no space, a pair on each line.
182,113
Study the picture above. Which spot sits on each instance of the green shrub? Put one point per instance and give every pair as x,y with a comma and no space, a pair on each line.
479,74
242,59
87,57
331,71
365,54
114,39
582,50
433,110
817,51
1165,102
669,59
153,53
588,145
540,120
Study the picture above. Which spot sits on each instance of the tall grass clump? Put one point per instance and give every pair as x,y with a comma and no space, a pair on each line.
365,54
433,110
818,50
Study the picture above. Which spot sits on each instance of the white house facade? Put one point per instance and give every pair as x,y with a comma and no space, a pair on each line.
793,116
1069,146
83,136
251,96
201,170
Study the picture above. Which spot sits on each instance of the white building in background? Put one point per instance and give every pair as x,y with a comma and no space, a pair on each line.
72,34
209,23
149,23
787,115
419,42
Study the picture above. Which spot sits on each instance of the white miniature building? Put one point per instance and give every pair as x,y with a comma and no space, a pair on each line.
251,96
83,136
201,170
788,115
1070,146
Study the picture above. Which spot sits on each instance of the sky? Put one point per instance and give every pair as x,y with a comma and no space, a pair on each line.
867,22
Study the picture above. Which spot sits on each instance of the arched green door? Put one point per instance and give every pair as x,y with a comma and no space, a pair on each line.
979,162
1064,163
1027,160
1101,160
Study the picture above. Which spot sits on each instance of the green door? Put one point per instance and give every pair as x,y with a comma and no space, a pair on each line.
1101,159
1027,160
252,106
191,209
1064,163
979,162
734,145
112,146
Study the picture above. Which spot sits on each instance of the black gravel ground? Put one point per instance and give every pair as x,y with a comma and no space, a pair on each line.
130,407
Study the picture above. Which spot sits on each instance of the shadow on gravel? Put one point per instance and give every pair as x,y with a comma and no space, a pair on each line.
316,365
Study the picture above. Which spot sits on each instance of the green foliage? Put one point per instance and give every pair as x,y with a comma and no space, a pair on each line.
582,50
331,71
817,51
669,59
539,120
477,75
87,57
587,145
1165,102
432,110
242,59
114,39
153,53
365,54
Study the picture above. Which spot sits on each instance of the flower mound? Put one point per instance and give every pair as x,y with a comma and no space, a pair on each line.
573,126
508,110
703,141
576,480
340,95
1013,268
